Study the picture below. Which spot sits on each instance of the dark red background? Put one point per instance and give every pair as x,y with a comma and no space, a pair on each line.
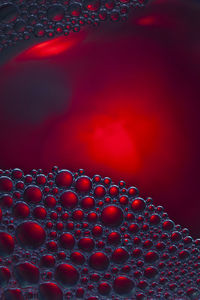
121,100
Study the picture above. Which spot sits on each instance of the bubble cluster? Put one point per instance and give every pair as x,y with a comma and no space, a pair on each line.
22,20
64,235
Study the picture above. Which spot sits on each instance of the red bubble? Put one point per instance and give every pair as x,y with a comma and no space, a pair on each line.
123,285
27,273
168,225
120,256
64,179
78,215
6,201
87,203
52,246
40,212
155,219
30,235
47,261
86,244
32,194
138,205
97,231
104,288
5,276
6,184
133,228
123,200
21,210
67,241
50,201
99,261
114,238
112,216
150,272
99,191
83,184
13,294
151,256
137,252
6,244
92,217
50,291
0,214
66,275
77,258
41,179
114,190
69,199
17,173
176,236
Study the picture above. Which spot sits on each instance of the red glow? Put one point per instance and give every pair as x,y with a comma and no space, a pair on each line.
52,47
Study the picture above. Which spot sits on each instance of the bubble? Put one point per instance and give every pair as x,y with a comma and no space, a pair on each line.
87,202
6,184
8,13
67,275
114,238
99,191
97,231
151,256
64,179
13,294
56,13
30,235
17,173
99,261
74,10
92,217
26,274
138,205
123,285
91,5
78,215
6,244
77,258
47,261
83,184
32,194
21,210
112,216
50,201
133,228
6,201
183,254
123,200
113,190
86,244
39,30
5,276
120,256
50,291
176,236
69,199
155,219
168,225
104,289
52,246
67,241
39,212
150,272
